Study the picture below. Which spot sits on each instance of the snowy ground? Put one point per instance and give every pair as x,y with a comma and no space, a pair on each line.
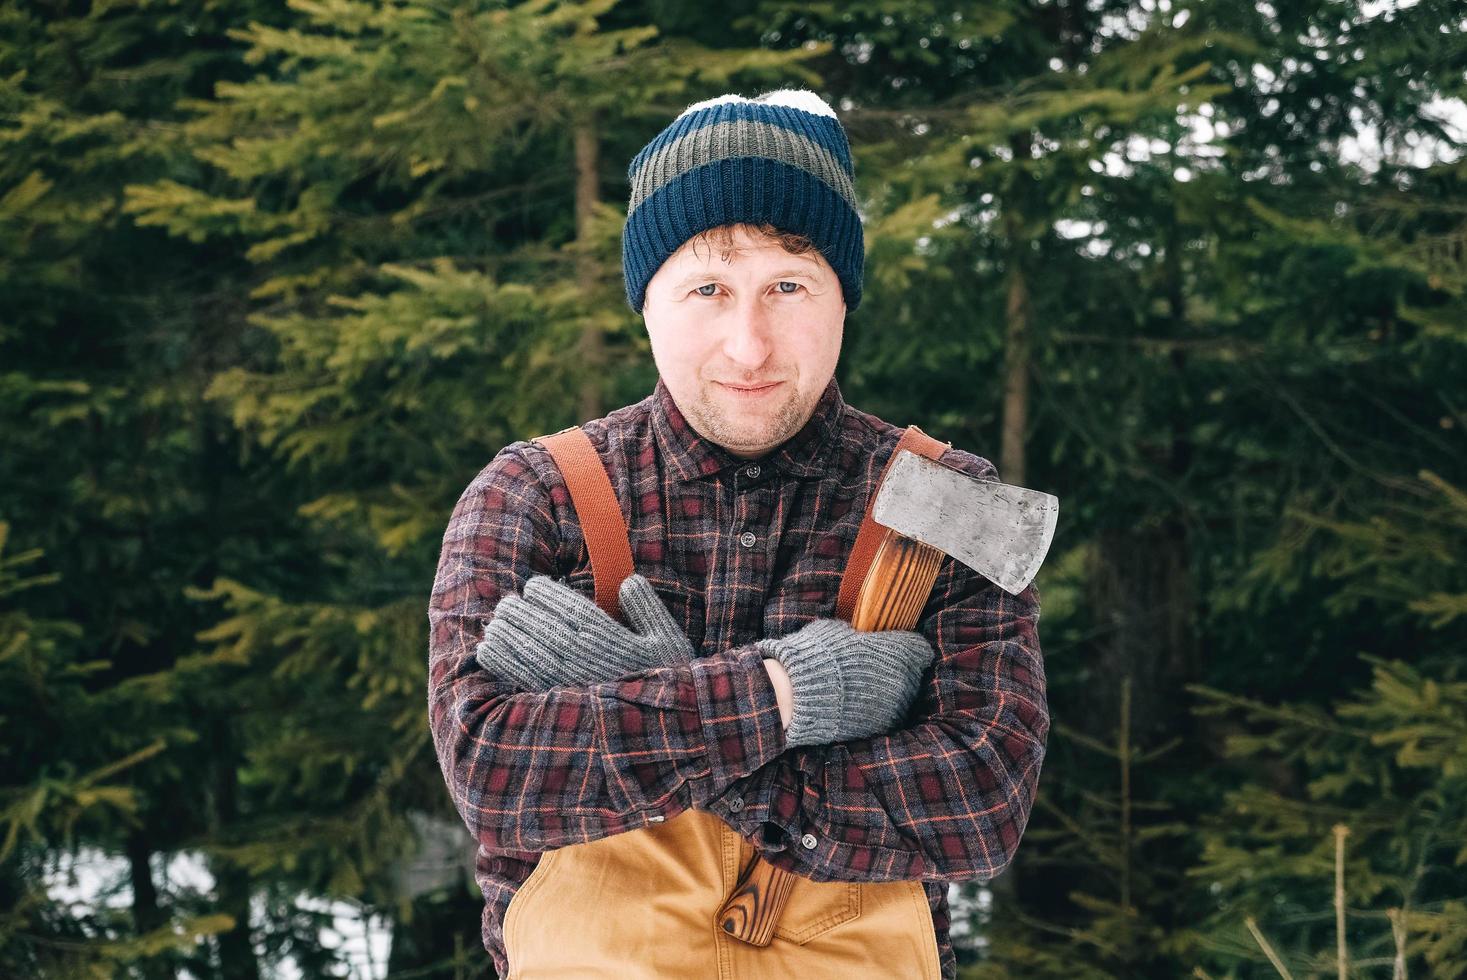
98,878
362,942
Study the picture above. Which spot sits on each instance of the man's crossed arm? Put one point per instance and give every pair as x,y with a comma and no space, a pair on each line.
945,798
850,685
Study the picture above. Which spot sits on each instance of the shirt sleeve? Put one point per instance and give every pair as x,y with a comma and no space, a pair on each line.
531,771
945,798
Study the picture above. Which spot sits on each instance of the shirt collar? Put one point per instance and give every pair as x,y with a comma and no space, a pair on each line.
691,456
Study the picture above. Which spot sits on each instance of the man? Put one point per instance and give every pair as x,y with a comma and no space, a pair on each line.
618,780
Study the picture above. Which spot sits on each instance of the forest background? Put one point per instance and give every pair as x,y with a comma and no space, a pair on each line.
276,280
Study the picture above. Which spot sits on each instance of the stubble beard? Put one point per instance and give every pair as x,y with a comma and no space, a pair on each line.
719,424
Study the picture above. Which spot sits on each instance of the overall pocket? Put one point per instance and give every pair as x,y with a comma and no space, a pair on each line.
812,909
816,907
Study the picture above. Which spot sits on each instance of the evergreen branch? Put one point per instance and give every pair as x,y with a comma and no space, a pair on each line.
1268,950
1306,717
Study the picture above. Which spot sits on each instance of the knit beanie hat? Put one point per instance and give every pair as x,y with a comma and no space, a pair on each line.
781,157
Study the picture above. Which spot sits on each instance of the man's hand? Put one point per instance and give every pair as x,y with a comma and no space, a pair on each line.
848,684
784,695
553,635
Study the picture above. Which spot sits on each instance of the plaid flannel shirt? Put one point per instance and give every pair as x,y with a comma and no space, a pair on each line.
738,550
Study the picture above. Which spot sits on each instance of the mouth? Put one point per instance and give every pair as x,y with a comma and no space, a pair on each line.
753,390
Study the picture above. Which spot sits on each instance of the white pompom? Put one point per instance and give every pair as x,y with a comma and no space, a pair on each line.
795,98
798,98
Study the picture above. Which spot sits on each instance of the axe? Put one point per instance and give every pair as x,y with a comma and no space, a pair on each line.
1002,532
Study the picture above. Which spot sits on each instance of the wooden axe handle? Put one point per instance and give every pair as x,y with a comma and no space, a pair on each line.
753,910
898,585
891,598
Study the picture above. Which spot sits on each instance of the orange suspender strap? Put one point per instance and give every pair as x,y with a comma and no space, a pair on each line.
600,515
870,535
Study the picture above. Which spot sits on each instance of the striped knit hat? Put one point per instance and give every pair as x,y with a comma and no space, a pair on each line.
781,158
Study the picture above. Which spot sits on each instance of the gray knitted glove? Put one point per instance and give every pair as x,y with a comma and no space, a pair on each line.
847,684
553,635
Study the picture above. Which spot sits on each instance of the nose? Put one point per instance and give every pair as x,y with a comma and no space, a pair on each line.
750,338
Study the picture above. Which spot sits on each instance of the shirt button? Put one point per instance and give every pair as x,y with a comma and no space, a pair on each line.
656,818
751,472
747,539
809,841
736,804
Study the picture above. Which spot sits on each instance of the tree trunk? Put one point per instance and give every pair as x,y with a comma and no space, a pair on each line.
1016,379
232,883
146,914
1140,576
440,936
1010,887
592,348
1141,587
1011,467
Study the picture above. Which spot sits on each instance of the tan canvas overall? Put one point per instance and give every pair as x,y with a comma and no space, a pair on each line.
645,903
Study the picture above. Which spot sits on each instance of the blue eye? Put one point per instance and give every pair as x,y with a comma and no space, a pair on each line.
711,288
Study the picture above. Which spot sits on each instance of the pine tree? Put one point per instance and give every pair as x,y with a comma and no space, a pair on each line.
419,189
1113,833
986,134
1201,364
111,463
1388,767
1131,251
49,707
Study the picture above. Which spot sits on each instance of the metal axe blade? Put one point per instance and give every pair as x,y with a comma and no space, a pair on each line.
1002,532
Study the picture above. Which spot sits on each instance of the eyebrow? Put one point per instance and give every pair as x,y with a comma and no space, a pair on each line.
705,277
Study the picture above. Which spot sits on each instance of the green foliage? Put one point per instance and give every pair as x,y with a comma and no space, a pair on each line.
1390,764
44,797
277,281
1123,894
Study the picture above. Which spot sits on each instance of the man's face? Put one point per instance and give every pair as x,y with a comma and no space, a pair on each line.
745,340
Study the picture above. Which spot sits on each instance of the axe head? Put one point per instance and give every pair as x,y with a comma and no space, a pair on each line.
1002,532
